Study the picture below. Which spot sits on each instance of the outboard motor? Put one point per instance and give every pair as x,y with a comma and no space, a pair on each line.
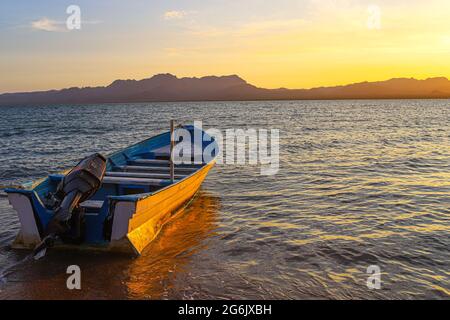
81,183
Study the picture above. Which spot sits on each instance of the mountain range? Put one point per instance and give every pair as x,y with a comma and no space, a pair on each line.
167,87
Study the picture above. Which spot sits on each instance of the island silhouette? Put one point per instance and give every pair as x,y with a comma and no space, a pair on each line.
167,87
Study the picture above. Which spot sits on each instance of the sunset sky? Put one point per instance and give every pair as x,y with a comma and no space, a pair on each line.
282,43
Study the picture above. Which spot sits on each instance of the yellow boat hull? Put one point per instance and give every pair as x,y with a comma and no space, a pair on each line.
151,213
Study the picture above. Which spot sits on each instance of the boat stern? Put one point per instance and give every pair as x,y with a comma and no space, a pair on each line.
22,202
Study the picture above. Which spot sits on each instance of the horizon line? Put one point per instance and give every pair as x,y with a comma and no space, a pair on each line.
227,75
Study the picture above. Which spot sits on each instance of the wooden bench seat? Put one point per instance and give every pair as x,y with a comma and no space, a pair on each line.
92,204
161,163
136,181
152,161
143,175
165,151
155,169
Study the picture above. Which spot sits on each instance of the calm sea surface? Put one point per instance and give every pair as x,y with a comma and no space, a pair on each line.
360,183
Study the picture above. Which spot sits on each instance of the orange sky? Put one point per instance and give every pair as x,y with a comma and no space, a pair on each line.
293,44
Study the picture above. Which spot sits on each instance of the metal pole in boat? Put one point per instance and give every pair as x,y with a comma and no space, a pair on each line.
172,144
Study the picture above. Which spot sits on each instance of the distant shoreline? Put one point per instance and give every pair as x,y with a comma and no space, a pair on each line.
206,101
169,88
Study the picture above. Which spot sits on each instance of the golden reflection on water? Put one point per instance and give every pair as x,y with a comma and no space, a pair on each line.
151,275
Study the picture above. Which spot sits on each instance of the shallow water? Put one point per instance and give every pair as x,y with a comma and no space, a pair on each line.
360,183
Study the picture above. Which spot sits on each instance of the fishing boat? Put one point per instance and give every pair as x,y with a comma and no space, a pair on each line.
115,203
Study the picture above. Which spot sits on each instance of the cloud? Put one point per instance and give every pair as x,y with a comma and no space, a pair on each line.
46,24
174,14
271,27
262,28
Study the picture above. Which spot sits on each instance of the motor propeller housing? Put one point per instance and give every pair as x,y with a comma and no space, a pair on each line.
80,184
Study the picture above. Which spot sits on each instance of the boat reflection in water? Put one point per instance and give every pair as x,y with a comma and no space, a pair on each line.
151,275
106,276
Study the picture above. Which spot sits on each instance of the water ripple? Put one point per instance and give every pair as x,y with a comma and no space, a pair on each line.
360,183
